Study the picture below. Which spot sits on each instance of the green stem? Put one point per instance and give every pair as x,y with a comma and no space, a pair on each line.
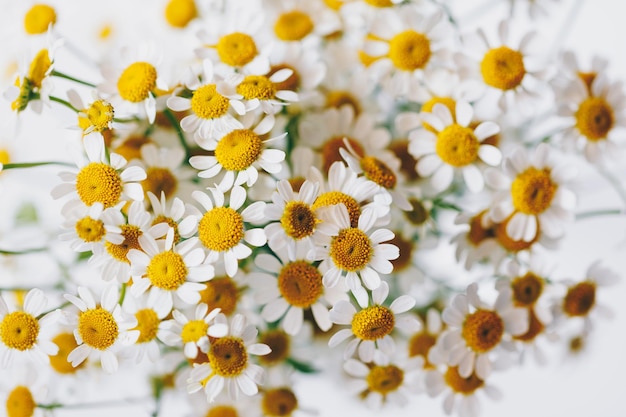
65,103
22,252
67,77
97,404
19,165
122,294
179,132
65,304
597,213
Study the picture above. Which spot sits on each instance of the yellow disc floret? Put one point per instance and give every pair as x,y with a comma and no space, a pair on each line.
405,248
379,3
535,328
373,323
98,328
483,330
338,98
99,183
384,379
207,103
220,229
533,191
330,150
236,49
256,86
376,170
580,299
179,13
292,83
293,26
19,330
194,330
222,411
137,81
279,402
97,116
39,67
280,344
90,230
20,402
527,289
39,18
131,241
503,68
300,283
167,270
228,356
222,293
409,50
465,386
351,249
336,197
594,118
298,220
420,344
239,149
66,343
457,145
160,180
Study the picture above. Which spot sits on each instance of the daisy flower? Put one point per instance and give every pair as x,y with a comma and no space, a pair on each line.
239,153
475,332
477,241
371,326
22,332
84,228
174,214
423,340
100,178
570,69
453,146
263,91
168,268
22,391
100,328
229,362
301,21
66,343
221,228
166,172
534,193
39,19
97,116
224,292
192,334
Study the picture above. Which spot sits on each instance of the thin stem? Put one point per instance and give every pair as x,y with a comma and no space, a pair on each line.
65,304
598,213
122,294
615,182
65,103
19,165
181,135
97,404
76,80
22,252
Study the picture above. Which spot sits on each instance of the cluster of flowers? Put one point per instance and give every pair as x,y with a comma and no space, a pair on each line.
275,183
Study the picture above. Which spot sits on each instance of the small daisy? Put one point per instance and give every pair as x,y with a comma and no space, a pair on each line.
221,228
476,242
174,215
97,116
570,69
229,362
66,342
453,145
263,92
23,332
166,171
535,194
224,292
100,328
22,391
85,229
371,326
240,153
423,340
302,21
192,334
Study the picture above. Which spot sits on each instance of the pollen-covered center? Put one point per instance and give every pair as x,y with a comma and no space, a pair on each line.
222,293
90,230
300,284
527,289
256,86
338,98
236,49
503,68
384,379
465,386
457,145
160,180
194,330
19,330
280,344
580,299
483,330
351,249
131,241
477,232
97,328
221,228
167,270
228,356
533,190
99,183
330,150
409,50
419,214
292,83
373,323
377,171
509,244
222,411
147,324
331,198
406,251
238,150
20,402
279,402
66,343
98,116
39,67
137,81
594,118
298,220
535,328
39,18
179,13
379,3
207,103
293,26
170,222
420,344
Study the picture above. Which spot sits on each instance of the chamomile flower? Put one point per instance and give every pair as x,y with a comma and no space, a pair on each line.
453,146
166,172
263,91
66,343
239,153
221,228
97,116
229,362
101,328
570,69
425,338
23,332
224,292
192,334
84,228
534,193
301,21
39,19
21,391
174,215
477,241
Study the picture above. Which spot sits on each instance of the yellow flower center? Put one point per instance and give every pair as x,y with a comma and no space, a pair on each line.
236,49
406,250
379,3
179,13
39,67
503,68
298,220
137,81
228,356
20,402
99,115
373,323
533,191
331,198
221,228
377,171
279,342
400,148
293,26
418,215
131,147
535,328
194,330
292,83
588,78
170,222
222,411
477,233
19,330
449,102
39,18
5,156
384,379
221,293
131,241
98,328
99,183
256,86
160,180
334,4
66,343
330,150
90,230
238,150
207,103
279,402
577,344
167,270
465,386
409,50
527,289
482,330
351,249
105,31
300,284
338,98
420,344
457,145
594,118
509,244
580,299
